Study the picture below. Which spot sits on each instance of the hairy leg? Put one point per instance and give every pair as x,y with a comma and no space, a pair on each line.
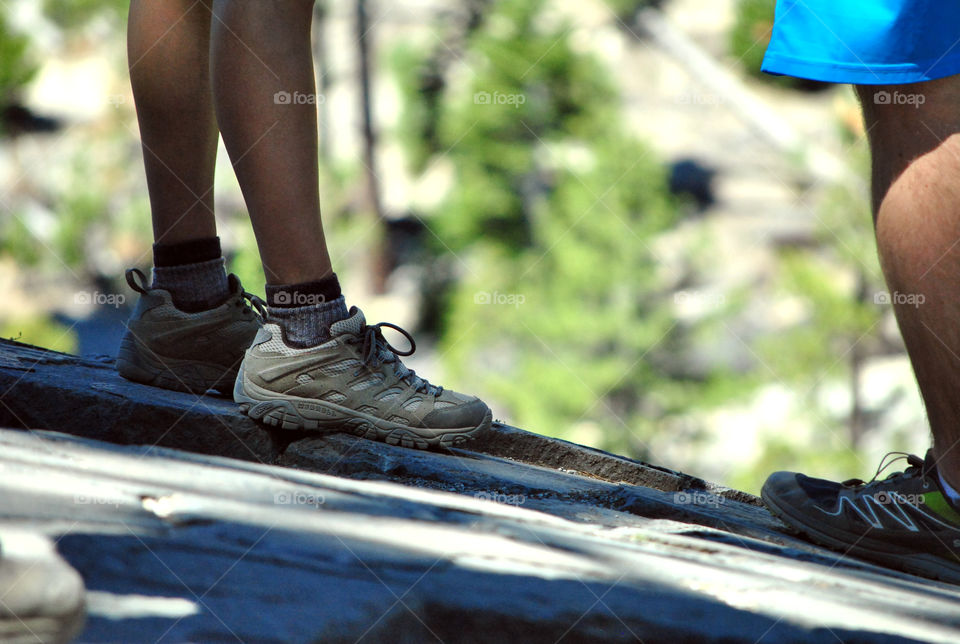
916,199
261,56
168,47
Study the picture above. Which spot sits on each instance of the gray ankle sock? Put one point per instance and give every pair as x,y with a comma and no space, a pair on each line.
308,326
194,287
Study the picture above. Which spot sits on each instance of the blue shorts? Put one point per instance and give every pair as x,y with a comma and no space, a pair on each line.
866,42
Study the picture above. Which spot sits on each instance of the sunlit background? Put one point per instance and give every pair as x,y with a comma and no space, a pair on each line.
598,216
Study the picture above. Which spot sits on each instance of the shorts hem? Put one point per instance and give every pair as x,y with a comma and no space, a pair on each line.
860,73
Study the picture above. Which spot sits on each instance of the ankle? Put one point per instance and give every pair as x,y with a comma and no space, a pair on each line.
193,272
305,311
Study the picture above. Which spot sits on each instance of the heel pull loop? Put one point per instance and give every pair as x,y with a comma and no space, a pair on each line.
137,280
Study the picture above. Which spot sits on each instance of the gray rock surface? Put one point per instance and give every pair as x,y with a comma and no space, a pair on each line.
244,535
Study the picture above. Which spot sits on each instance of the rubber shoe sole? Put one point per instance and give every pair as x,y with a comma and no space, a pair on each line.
290,412
138,363
916,564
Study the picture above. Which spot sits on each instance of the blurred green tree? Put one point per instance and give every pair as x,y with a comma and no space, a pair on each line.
17,63
558,311
77,13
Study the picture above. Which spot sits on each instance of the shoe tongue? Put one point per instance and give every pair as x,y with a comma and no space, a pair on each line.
352,325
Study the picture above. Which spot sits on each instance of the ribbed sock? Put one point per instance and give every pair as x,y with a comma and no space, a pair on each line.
305,311
193,272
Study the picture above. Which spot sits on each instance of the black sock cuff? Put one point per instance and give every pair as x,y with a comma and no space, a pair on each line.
288,296
192,251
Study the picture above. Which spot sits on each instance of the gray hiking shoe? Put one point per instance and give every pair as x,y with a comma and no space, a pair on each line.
354,382
193,352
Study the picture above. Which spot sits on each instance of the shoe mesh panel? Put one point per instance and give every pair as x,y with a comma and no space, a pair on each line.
390,394
412,405
367,383
304,378
338,367
333,396
352,325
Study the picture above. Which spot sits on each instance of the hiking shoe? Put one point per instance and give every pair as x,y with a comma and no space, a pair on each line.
354,382
904,521
193,352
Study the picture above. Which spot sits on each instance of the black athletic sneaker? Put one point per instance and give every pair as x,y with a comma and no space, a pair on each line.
904,521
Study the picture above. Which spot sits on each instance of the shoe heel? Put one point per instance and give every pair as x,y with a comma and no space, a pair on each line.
137,363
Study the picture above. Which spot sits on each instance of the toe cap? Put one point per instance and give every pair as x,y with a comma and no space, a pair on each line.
468,414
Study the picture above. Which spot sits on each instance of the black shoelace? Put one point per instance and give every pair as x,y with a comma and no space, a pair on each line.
915,468
376,350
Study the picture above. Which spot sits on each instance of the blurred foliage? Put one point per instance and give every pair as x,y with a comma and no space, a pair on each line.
839,286
555,208
72,14
541,274
17,64
40,331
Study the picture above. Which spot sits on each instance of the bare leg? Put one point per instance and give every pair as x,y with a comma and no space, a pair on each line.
260,48
168,48
916,200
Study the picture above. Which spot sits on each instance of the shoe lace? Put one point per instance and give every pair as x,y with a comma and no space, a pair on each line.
376,350
915,468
